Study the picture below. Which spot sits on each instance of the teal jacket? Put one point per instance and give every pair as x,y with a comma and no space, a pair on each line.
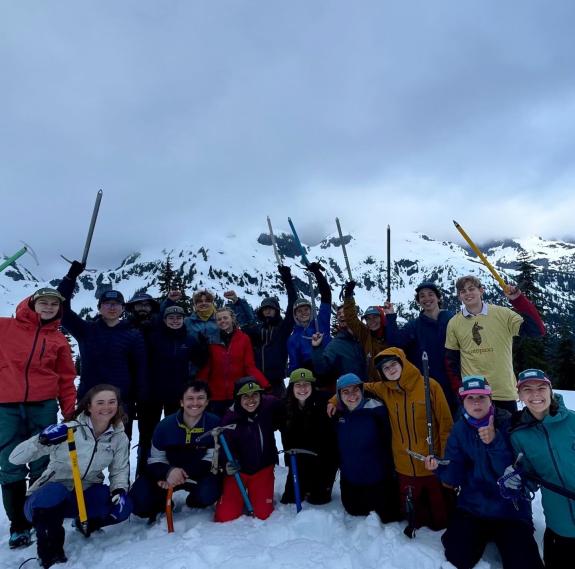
548,448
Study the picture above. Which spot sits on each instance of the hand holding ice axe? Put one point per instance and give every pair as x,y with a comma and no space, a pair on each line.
218,434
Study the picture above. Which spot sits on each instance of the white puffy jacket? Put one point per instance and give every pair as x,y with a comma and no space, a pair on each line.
110,450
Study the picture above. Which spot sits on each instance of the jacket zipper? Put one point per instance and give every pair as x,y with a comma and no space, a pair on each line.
29,362
413,421
407,426
43,349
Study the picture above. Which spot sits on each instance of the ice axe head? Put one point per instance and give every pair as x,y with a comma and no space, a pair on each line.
31,251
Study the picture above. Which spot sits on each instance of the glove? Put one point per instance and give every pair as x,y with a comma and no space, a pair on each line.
315,268
53,434
511,479
348,289
75,270
232,467
119,500
285,273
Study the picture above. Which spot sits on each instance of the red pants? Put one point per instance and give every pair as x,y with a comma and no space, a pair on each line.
260,489
432,503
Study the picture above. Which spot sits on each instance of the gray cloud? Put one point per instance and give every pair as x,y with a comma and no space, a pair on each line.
197,117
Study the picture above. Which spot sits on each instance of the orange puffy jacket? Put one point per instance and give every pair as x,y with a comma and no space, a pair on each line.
405,401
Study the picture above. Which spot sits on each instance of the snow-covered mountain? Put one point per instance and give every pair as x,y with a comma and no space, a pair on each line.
247,264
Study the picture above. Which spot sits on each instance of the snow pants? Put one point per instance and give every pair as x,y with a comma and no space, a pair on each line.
260,489
467,535
316,475
556,549
19,422
430,503
382,498
149,499
56,496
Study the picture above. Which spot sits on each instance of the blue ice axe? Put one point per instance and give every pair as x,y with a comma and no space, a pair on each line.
294,472
304,258
218,434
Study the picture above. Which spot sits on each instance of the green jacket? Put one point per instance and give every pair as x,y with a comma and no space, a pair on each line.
548,448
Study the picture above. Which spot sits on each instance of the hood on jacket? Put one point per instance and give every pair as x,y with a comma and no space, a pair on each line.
269,302
409,375
25,313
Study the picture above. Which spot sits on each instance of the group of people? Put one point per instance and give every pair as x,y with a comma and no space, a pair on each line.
421,421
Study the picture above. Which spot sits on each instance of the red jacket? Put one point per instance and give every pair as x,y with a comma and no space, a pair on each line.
227,364
35,361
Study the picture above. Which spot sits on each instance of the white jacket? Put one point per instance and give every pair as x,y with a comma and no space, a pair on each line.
110,450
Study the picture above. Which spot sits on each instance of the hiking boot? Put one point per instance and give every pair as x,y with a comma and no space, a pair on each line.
20,539
53,560
192,503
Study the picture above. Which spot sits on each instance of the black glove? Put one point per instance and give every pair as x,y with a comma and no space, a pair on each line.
315,268
285,273
348,289
75,270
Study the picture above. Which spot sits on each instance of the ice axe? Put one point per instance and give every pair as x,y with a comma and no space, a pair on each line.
388,264
305,261
79,490
169,507
218,434
26,249
483,258
294,472
274,242
344,251
90,229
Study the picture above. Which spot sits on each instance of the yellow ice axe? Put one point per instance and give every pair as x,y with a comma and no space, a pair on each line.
77,481
484,260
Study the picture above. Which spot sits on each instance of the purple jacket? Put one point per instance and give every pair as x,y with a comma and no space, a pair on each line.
252,443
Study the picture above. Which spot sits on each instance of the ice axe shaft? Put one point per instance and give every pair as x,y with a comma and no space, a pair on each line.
91,228
295,480
169,512
237,476
343,248
82,514
313,306
302,253
274,242
388,264
483,258
428,410
13,258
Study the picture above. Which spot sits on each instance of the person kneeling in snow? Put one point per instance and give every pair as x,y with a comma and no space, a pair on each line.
101,443
177,459
424,500
478,450
367,475
253,447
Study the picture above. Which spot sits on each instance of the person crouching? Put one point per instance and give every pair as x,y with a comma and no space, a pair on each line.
367,474
253,448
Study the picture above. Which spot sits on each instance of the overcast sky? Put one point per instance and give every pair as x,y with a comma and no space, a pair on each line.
198,117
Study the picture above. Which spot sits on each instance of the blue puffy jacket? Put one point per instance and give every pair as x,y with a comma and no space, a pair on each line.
364,442
475,467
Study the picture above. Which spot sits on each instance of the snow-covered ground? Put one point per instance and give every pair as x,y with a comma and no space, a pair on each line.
319,537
